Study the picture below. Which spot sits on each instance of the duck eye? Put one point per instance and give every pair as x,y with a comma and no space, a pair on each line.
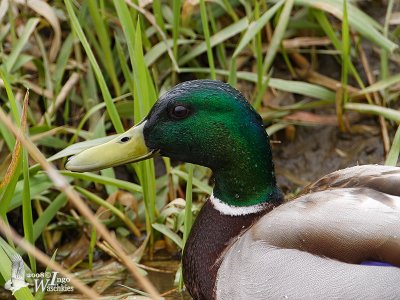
179,112
125,139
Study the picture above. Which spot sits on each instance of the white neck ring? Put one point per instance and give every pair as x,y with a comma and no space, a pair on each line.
231,210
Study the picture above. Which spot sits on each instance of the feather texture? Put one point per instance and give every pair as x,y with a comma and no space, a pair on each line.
310,247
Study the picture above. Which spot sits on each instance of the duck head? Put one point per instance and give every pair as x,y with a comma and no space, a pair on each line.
203,122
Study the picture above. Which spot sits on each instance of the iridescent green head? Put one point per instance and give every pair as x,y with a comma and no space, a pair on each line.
204,122
208,123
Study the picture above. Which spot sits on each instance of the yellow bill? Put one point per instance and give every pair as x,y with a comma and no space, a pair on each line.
125,148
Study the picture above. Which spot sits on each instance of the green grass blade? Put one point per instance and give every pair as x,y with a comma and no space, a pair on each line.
92,245
278,35
143,82
263,86
39,183
145,97
188,206
326,26
112,111
62,61
358,20
388,113
158,14
380,85
220,48
128,27
17,49
330,32
129,33
229,9
256,26
7,136
134,188
160,48
219,37
99,201
274,128
188,215
27,207
7,193
168,233
206,32
345,52
14,169
393,155
45,63
176,9
124,67
258,49
14,106
48,215
205,188
385,53
296,87
105,55
232,78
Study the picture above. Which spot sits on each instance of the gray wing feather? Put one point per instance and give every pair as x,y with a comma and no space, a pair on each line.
266,272
384,179
309,248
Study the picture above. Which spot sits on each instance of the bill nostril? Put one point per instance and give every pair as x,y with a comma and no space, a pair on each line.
125,139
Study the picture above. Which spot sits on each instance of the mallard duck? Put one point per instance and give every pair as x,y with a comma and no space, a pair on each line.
246,243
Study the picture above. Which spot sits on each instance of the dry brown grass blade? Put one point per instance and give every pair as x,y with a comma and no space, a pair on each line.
300,60
3,9
77,251
12,167
71,82
24,113
103,284
63,185
35,87
377,99
311,118
325,81
45,260
169,292
305,41
47,12
50,132
339,108
305,72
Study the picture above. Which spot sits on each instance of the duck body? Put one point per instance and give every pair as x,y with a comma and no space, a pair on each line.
318,241
308,248
246,243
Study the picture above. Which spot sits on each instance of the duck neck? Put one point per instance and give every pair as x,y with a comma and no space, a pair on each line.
248,177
